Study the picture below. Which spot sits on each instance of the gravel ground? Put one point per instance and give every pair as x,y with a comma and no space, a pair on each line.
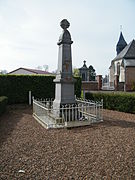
100,151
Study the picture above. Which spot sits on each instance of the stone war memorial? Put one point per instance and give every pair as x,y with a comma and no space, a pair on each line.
64,82
66,110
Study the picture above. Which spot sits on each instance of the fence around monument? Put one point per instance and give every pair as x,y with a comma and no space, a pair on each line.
84,112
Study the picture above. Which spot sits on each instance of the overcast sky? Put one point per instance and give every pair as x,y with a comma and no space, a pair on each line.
29,31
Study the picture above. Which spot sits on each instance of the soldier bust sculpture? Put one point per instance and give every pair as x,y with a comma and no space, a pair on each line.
64,24
65,37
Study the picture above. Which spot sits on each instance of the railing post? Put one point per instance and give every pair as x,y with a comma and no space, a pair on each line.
29,97
96,110
69,112
66,112
82,110
72,112
33,105
79,113
75,113
102,109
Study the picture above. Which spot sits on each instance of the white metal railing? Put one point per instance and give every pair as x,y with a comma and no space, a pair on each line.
92,108
42,107
81,111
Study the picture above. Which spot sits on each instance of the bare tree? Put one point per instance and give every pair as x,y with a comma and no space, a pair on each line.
75,71
3,71
39,67
92,73
46,67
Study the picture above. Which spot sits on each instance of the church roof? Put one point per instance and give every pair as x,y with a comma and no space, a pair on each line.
128,52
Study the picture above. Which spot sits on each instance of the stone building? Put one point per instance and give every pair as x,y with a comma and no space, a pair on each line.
87,73
84,72
90,82
122,69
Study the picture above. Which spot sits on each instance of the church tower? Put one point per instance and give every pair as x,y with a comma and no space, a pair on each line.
121,44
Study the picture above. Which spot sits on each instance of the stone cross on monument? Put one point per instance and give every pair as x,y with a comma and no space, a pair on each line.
64,81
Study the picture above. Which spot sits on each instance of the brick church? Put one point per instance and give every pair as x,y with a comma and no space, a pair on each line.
122,69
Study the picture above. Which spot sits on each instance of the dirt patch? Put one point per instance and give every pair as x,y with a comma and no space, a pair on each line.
100,151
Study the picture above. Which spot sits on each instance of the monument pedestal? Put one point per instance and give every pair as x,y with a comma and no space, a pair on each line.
64,94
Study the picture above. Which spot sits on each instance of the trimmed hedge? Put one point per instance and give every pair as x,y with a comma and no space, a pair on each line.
78,86
17,87
3,103
123,102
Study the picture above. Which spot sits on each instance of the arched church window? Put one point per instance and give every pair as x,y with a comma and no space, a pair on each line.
118,68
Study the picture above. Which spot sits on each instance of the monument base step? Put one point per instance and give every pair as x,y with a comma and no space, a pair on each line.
78,123
48,122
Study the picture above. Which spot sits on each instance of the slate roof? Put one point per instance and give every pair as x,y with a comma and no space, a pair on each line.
84,66
129,62
128,52
121,41
36,71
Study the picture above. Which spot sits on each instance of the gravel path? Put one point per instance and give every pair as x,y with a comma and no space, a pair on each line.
100,151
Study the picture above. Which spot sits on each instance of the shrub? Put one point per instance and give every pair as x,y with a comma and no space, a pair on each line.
16,87
115,101
3,103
